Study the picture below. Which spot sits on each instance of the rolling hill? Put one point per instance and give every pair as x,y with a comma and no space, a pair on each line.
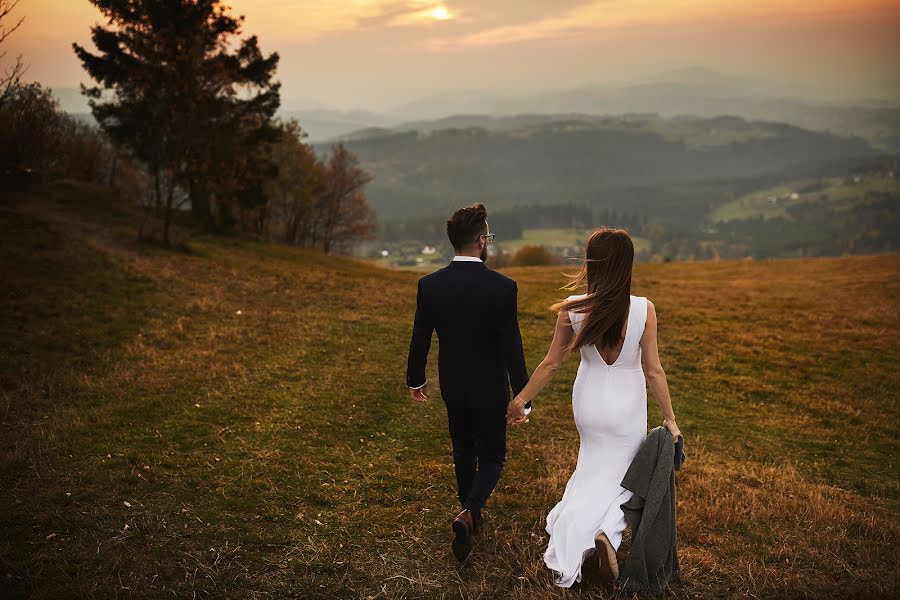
638,161
230,420
775,202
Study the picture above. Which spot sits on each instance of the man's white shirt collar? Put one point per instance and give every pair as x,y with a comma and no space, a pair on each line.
467,258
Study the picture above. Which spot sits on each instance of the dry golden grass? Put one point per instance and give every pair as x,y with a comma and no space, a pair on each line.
274,452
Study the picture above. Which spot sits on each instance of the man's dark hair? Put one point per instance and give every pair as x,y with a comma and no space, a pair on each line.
466,224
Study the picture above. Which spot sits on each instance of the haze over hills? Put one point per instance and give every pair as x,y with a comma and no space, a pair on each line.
878,122
697,91
873,113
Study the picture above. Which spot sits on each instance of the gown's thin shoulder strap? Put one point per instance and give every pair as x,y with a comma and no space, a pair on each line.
575,318
640,308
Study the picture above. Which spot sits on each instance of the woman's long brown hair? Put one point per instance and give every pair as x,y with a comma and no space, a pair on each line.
609,256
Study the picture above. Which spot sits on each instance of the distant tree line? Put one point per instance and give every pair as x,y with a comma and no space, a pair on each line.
572,216
434,229
509,224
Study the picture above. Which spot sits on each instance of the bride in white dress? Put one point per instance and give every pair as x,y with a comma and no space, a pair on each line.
611,328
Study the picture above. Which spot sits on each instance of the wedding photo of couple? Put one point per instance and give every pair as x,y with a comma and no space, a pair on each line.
449,299
473,309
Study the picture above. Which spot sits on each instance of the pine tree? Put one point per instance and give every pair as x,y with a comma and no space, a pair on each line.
182,101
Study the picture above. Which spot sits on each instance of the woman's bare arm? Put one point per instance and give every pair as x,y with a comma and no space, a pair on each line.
656,376
562,336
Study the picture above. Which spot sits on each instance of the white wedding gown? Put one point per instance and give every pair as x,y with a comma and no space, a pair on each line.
610,407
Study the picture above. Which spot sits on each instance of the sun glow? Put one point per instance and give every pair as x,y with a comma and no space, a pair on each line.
440,13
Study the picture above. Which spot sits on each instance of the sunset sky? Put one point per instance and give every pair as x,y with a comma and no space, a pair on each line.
376,54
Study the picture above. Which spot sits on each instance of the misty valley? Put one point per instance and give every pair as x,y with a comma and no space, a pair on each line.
688,188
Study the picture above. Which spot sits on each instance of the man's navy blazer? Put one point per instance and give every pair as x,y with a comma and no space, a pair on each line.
474,311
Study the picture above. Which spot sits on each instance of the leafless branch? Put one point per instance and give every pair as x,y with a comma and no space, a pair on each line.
7,7
10,77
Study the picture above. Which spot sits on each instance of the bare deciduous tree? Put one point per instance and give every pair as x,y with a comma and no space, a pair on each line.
12,75
343,209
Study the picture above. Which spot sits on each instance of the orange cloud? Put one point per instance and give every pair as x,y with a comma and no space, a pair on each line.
602,14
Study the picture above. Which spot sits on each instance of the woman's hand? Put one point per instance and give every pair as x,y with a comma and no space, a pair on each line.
515,411
673,428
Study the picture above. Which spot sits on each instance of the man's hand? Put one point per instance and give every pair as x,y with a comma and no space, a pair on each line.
418,394
515,411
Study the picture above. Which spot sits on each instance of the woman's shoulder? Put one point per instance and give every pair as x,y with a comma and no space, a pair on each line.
643,305
575,317
648,311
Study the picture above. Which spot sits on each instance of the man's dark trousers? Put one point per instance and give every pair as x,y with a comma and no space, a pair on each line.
474,311
478,435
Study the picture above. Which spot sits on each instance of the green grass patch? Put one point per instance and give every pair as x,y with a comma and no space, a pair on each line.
560,237
773,202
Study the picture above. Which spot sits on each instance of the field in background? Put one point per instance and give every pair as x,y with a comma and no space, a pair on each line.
232,421
557,237
771,203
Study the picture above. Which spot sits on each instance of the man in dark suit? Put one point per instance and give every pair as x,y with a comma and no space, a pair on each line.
474,311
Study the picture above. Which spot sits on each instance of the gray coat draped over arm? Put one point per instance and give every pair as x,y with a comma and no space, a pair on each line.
650,513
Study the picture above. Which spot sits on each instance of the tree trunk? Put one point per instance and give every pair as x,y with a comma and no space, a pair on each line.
290,231
158,206
261,222
167,219
112,170
200,204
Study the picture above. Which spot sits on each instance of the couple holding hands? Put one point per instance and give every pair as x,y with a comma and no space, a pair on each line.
473,309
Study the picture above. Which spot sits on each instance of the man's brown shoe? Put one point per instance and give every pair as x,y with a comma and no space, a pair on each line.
463,528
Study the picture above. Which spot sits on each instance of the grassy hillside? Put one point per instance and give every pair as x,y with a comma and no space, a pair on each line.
771,203
232,421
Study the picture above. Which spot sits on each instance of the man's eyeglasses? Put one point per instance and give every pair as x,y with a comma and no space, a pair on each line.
488,236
